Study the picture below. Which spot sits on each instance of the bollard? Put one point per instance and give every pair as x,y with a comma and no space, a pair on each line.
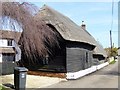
20,78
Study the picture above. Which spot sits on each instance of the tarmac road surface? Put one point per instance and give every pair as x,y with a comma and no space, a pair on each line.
104,78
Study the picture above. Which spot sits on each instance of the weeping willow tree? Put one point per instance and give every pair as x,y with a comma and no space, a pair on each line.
37,38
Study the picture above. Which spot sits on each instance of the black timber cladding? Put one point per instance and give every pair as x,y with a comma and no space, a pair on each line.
79,57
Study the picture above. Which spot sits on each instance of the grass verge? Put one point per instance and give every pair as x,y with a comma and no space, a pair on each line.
3,88
112,62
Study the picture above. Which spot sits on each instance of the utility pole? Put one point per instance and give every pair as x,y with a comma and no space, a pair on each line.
111,41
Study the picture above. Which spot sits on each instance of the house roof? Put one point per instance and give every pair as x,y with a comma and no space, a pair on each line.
66,27
7,50
5,34
99,50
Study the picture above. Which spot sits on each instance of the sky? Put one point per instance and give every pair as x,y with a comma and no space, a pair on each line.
96,15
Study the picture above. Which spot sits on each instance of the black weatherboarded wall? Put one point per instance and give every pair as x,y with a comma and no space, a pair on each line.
79,56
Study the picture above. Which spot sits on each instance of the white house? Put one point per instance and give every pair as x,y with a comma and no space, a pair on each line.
119,51
9,49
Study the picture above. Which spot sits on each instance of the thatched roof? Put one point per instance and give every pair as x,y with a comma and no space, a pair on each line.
99,50
7,50
5,34
66,27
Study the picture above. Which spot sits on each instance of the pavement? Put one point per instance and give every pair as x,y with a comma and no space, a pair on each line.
32,81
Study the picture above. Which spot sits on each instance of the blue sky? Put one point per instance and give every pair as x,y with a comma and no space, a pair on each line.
97,17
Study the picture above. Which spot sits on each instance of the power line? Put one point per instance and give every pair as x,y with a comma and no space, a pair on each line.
112,15
111,25
111,40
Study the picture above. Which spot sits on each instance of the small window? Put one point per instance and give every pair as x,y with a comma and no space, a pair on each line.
10,42
8,57
46,60
87,57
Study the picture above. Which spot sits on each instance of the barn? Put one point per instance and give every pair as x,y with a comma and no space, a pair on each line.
76,45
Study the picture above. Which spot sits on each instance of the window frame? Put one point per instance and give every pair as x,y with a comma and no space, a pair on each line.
9,42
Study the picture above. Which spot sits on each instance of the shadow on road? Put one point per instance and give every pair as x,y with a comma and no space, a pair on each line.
113,73
116,73
9,85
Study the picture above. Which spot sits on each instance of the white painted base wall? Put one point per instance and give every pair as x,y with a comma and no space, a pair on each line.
0,58
102,65
81,73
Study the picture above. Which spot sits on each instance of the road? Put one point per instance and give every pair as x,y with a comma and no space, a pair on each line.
104,78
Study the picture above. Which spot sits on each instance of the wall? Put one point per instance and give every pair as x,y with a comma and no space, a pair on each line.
77,59
96,61
81,73
8,57
7,68
78,56
18,54
90,59
0,58
119,52
3,43
58,64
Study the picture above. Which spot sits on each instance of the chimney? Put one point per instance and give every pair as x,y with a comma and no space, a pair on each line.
83,25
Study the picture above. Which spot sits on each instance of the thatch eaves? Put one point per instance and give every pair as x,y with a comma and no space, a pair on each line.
99,50
7,50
